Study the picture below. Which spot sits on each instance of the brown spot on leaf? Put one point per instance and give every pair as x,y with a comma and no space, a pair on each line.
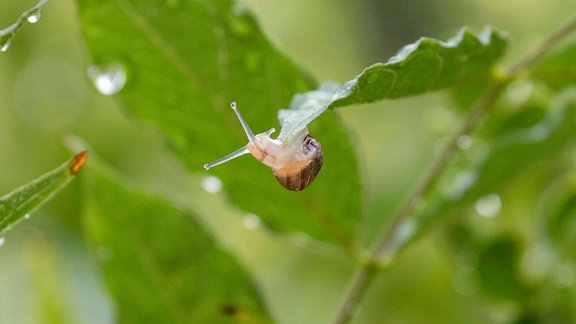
77,162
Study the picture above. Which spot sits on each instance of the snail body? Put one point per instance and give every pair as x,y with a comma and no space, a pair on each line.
295,162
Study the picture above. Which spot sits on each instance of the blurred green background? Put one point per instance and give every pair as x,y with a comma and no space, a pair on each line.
47,274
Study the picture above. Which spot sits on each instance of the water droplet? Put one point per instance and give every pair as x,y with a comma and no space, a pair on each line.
211,184
538,261
108,79
478,151
403,234
406,229
538,133
461,183
520,91
489,205
34,17
27,216
1,241
251,221
5,44
464,142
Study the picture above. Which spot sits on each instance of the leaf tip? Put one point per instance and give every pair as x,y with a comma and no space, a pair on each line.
77,162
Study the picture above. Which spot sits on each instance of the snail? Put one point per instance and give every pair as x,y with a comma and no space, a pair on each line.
295,162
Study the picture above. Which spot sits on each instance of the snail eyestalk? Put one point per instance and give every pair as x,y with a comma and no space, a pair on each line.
243,122
227,158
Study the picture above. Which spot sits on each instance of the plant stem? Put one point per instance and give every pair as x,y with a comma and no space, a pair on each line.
385,251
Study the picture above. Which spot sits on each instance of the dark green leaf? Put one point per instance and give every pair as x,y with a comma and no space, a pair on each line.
185,61
561,225
31,15
24,200
558,70
497,267
426,65
160,265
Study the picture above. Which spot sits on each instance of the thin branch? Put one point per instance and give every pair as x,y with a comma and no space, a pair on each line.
361,281
543,48
385,244
385,249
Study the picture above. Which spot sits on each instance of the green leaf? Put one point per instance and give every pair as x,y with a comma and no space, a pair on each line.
184,62
426,65
160,265
498,269
304,108
559,69
31,15
561,223
24,200
517,151
512,154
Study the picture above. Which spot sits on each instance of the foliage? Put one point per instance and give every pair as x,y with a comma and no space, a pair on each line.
176,65
31,15
141,260
15,205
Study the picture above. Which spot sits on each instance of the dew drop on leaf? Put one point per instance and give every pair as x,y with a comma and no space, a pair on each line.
1,241
489,205
404,233
211,184
27,216
520,91
251,221
5,44
34,17
462,182
108,79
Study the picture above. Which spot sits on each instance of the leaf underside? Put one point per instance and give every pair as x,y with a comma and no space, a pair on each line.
424,66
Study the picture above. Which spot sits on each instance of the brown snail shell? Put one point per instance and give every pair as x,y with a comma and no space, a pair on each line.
298,178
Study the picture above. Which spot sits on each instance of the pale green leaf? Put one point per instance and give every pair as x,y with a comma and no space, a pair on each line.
24,200
160,265
427,65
